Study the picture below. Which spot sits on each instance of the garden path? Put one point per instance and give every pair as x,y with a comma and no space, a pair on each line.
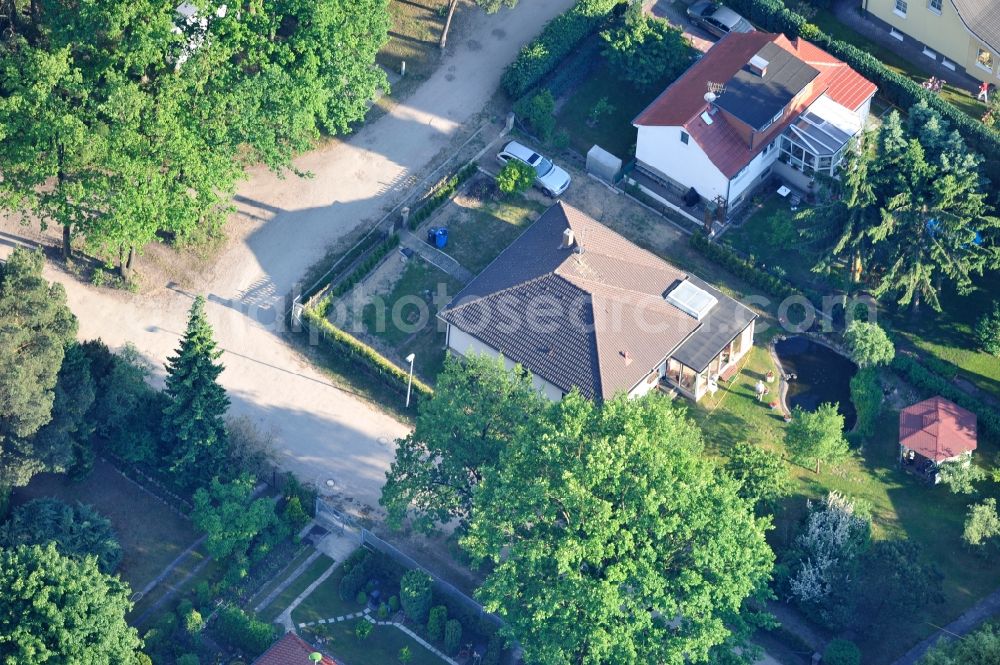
986,608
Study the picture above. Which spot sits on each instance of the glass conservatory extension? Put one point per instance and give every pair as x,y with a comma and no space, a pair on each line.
817,141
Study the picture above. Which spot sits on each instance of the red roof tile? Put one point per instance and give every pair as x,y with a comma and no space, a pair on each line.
685,97
290,650
682,103
937,429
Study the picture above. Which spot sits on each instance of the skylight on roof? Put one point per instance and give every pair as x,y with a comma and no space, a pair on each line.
691,300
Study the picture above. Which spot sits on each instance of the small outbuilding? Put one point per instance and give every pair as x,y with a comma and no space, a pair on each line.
933,432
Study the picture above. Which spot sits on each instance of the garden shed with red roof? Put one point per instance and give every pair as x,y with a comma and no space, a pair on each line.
933,432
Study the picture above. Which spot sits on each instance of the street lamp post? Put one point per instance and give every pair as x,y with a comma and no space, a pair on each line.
409,384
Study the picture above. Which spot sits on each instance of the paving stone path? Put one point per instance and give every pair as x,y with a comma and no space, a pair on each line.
366,615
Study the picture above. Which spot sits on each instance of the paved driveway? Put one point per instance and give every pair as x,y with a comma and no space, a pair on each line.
323,432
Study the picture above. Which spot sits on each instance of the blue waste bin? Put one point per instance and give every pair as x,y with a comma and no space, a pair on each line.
437,236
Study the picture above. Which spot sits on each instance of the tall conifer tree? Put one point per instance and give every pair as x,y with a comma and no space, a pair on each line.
193,427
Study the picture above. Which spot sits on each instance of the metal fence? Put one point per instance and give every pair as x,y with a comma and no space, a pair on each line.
373,542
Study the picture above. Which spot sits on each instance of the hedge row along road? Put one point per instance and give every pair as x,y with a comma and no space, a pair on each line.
285,226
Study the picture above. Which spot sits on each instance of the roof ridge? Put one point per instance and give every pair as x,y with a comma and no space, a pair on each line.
453,307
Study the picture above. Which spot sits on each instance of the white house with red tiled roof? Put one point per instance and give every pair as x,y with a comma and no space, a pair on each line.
756,103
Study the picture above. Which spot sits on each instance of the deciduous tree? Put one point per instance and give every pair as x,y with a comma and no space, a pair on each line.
980,647
194,431
477,408
645,50
36,327
762,474
982,524
230,516
817,436
54,609
613,539
868,344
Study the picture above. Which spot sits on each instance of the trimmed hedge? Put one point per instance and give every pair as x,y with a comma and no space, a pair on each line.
742,268
367,358
931,383
899,89
366,266
441,194
559,38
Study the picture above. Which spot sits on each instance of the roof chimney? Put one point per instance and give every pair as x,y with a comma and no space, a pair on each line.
567,239
758,66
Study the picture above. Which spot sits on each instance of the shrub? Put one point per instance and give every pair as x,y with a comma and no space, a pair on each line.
203,594
193,623
538,112
77,530
558,39
436,621
452,637
363,629
866,395
244,632
988,330
841,652
515,177
353,581
493,650
415,595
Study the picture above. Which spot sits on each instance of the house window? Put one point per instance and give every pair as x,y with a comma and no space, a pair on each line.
985,59
900,8
934,6
684,138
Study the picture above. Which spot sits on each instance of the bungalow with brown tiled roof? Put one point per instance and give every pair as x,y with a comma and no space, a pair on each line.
582,307
756,103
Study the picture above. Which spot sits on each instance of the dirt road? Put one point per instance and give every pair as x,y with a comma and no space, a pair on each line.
286,225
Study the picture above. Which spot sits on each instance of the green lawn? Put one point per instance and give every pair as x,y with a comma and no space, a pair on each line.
476,236
414,328
613,130
325,602
771,236
285,598
902,507
381,647
413,38
151,534
948,335
828,23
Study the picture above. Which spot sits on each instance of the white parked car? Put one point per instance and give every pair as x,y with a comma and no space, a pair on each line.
549,178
